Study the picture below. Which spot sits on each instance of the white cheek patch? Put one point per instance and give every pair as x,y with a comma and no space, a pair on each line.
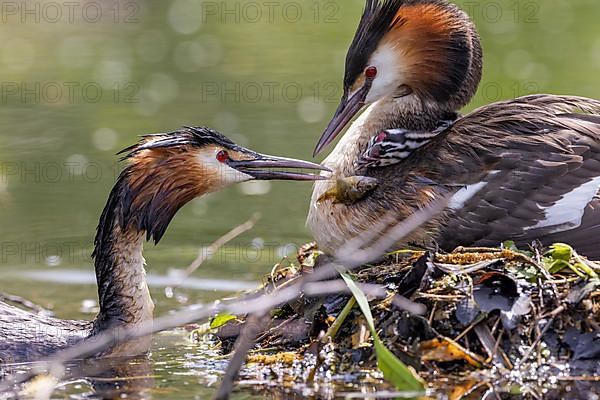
567,213
389,73
226,175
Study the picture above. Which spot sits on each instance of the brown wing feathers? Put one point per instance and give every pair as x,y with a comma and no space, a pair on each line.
542,148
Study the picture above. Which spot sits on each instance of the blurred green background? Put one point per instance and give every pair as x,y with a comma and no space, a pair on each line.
79,86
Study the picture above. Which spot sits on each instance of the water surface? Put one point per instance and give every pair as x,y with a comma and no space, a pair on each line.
78,88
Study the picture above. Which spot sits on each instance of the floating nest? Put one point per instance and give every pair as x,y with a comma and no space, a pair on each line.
475,322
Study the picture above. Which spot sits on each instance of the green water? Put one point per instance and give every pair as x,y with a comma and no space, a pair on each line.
81,81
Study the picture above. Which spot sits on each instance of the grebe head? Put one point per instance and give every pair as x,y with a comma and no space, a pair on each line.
211,161
167,170
407,51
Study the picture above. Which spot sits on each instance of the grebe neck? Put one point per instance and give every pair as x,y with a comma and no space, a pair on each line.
123,293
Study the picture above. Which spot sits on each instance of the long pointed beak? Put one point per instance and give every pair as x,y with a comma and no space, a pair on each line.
265,167
347,109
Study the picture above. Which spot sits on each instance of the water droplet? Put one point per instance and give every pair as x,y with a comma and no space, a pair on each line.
182,299
53,261
213,50
258,243
185,16
311,111
255,188
108,72
105,139
188,56
77,163
148,103
89,306
164,86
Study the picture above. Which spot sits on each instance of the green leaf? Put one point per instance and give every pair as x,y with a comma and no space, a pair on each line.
530,273
561,256
561,251
582,265
394,370
220,320
556,266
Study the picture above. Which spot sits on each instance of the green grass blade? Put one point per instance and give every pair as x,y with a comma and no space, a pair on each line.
220,320
394,370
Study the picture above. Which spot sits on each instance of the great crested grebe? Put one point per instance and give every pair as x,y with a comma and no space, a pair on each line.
164,172
519,170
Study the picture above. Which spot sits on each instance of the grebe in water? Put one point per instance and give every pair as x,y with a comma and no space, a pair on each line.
164,172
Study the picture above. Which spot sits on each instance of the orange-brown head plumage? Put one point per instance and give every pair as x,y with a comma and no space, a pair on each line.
426,47
163,173
167,170
415,56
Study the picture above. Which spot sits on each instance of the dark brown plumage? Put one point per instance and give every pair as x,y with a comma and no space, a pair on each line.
529,152
520,170
534,152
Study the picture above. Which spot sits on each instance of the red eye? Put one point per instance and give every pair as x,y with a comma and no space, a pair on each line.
222,156
371,72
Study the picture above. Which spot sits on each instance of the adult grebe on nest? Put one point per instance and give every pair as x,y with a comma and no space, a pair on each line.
518,170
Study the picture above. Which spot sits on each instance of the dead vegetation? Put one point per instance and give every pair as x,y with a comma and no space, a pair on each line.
469,322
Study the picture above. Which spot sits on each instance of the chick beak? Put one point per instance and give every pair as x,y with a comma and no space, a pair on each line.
265,167
348,108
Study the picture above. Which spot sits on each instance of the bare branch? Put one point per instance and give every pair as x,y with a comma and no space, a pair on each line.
204,255
35,308
251,304
254,326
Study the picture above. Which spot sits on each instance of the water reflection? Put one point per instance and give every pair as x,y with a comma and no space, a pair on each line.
110,378
76,277
114,378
